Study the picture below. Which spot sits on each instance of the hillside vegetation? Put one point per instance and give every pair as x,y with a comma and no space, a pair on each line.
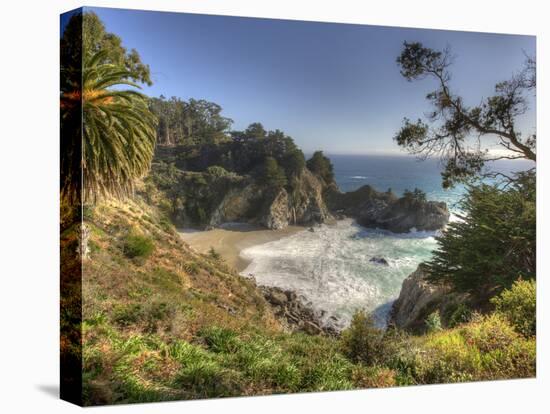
163,322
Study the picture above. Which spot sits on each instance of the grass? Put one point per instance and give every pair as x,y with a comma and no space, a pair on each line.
218,363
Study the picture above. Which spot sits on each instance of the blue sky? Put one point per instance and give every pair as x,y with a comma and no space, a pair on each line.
334,87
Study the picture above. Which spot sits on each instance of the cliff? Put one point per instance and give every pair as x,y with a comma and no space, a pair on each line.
375,209
274,208
302,205
213,196
419,298
208,200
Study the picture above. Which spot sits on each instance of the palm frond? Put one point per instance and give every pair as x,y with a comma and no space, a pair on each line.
117,133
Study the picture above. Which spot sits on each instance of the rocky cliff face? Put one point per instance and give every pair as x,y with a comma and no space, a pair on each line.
418,299
274,209
312,202
236,205
276,214
209,199
372,208
303,206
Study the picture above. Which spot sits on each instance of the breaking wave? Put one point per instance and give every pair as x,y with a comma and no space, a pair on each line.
331,268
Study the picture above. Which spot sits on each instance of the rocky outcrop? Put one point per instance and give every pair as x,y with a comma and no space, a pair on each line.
292,312
386,211
379,260
214,197
237,205
273,208
277,215
306,203
419,298
403,216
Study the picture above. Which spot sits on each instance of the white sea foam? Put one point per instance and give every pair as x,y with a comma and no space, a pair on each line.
454,218
330,267
359,177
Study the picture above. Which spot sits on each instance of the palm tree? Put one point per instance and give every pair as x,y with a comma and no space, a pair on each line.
118,132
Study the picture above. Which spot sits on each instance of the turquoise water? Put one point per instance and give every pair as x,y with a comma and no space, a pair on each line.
330,267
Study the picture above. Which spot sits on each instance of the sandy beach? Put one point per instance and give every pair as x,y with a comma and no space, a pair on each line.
230,240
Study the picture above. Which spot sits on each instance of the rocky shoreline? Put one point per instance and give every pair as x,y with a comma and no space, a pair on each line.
417,299
295,315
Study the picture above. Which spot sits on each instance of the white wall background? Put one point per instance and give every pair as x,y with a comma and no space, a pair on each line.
29,258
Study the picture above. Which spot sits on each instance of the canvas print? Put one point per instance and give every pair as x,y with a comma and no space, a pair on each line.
259,206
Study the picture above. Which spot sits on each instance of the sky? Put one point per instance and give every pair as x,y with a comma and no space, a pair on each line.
331,86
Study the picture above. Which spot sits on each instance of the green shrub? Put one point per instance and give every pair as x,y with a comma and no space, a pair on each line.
320,165
485,349
207,378
433,322
417,196
273,175
138,246
127,314
165,224
259,359
374,377
321,365
214,254
362,341
186,353
459,315
217,171
156,312
293,163
165,278
518,305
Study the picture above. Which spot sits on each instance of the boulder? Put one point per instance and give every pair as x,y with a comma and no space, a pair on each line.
295,314
402,217
379,260
277,297
311,328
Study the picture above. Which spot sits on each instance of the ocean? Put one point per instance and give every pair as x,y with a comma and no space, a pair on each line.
331,266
